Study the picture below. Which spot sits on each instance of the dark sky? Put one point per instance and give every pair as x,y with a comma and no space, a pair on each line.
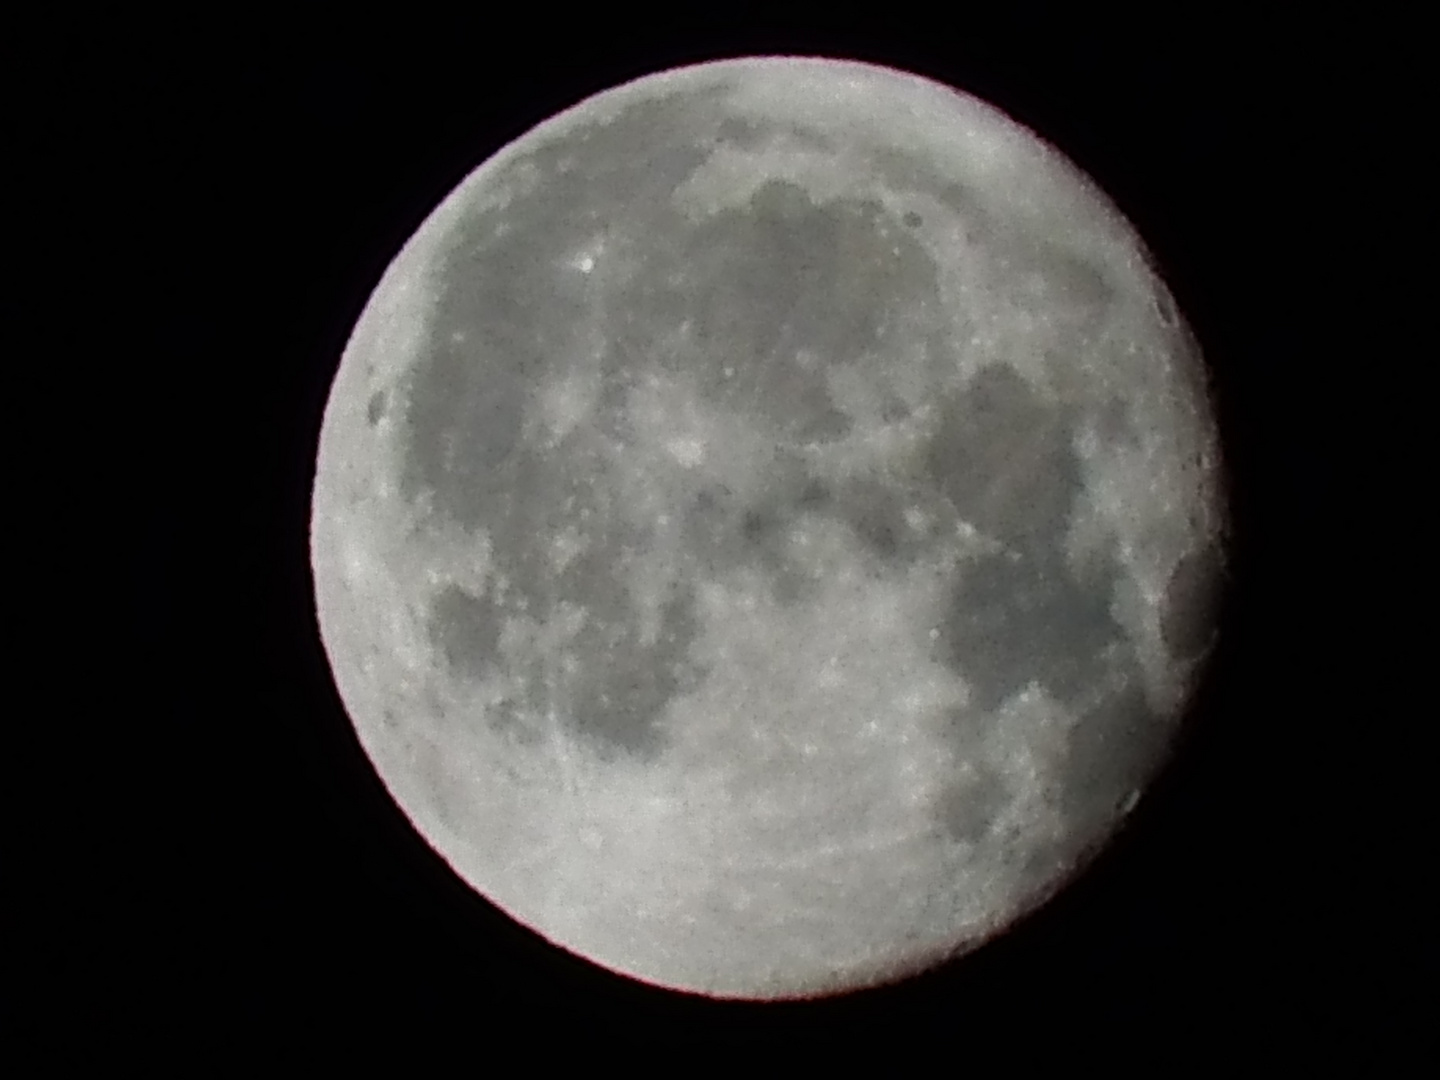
258,181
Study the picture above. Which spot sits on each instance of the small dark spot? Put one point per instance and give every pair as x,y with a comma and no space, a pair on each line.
876,527
756,526
895,412
376,408
814,495
884,541
913,219
712,497
739,132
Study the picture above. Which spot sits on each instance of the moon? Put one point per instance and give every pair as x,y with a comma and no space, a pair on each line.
767,526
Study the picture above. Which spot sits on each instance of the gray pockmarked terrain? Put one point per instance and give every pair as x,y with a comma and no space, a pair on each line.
767,525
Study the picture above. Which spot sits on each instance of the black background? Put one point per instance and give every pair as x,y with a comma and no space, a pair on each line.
265,176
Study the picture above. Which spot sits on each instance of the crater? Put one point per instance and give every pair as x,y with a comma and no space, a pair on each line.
1113,751
1192,600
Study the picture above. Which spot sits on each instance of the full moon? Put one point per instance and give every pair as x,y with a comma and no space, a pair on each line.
766,526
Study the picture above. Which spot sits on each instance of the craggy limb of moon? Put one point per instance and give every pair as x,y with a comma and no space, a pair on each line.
765,526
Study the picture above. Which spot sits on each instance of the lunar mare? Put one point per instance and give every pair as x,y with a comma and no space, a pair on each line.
766,526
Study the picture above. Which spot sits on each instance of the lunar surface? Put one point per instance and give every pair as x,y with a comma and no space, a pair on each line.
766,525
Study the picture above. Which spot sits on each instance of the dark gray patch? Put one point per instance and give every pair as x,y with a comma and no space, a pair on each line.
506,311
1036,868
880,531
1114,425
617,702
597,578
758,527
375,408
979,224
725,534
1191,603
759,284
535,498
1012,621
613,694
741,132
1017,252
1060,282
790,586
1005,460
775,292
466,629
909,172
895,411
967,808
628,165
505,719
614,698
1114,750
463,421
913,219
1012,244
1165,308
748,133
875,512
814,495
711,527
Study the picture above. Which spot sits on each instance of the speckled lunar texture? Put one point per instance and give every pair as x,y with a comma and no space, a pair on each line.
765,524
